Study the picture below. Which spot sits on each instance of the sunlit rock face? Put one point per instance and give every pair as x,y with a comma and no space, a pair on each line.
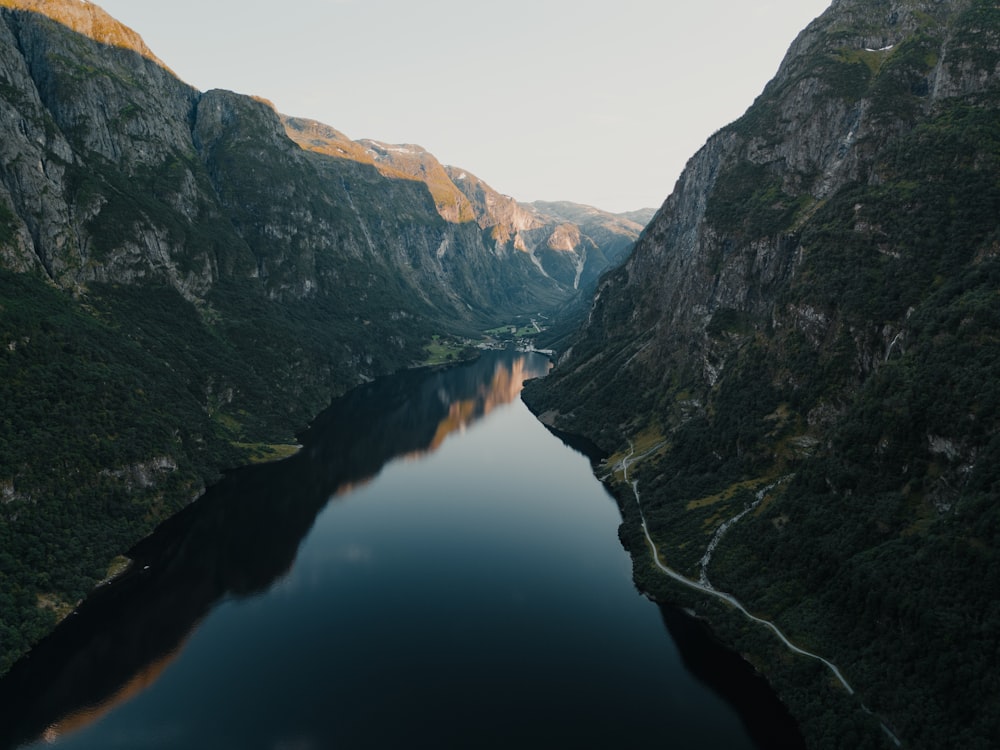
568,243
118,172
89,20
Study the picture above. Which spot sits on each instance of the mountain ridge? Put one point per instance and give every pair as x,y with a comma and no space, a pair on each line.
90,20
557,237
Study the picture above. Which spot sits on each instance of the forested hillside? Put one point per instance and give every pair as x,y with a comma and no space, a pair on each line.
811,320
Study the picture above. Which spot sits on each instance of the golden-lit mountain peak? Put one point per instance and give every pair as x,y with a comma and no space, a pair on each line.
89,20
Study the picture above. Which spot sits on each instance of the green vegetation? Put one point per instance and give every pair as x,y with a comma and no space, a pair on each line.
89,401
447,350
450,349
866,555
975,35
262,453
902,85
872,60
513,331
844,76
748,200
727,320
7,224
119,407
870,378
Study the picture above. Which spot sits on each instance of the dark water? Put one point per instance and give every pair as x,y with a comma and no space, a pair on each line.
433,569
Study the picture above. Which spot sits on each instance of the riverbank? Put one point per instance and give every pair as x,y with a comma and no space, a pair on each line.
815,689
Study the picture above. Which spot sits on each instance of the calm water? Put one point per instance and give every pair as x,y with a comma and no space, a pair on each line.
433,569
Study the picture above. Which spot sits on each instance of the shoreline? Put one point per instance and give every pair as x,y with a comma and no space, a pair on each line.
728,600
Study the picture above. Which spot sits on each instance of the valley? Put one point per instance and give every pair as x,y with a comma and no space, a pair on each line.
792,368
183,287
518,335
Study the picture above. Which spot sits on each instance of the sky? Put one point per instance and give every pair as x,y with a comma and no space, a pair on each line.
600,102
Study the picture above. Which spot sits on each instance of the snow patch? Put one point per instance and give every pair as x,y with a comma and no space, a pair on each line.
381,149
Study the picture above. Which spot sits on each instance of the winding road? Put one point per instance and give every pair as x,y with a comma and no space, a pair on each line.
705,587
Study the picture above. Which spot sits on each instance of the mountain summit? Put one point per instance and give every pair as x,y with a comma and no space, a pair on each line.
808,328
89,20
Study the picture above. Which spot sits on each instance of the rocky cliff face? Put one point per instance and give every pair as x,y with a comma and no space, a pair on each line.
814,302
115,171
567,242
730,234
570,244
55,106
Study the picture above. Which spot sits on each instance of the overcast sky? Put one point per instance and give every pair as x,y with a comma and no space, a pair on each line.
594,101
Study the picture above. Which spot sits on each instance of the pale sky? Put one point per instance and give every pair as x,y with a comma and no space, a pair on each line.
594,101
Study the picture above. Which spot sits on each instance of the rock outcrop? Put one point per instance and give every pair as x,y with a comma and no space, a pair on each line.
566,242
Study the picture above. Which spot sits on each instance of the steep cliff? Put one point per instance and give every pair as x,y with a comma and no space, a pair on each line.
182,285
814,310
568,244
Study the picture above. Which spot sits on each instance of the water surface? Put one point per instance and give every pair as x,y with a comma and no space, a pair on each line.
433,569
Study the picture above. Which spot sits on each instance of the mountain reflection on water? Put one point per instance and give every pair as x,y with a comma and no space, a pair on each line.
237,540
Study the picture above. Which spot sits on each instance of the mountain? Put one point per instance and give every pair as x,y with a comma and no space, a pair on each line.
640,216
569,243
810,321
183,285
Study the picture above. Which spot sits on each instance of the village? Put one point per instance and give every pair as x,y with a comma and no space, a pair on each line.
518,336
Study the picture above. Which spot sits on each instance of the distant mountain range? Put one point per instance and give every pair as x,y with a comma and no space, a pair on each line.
566,242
